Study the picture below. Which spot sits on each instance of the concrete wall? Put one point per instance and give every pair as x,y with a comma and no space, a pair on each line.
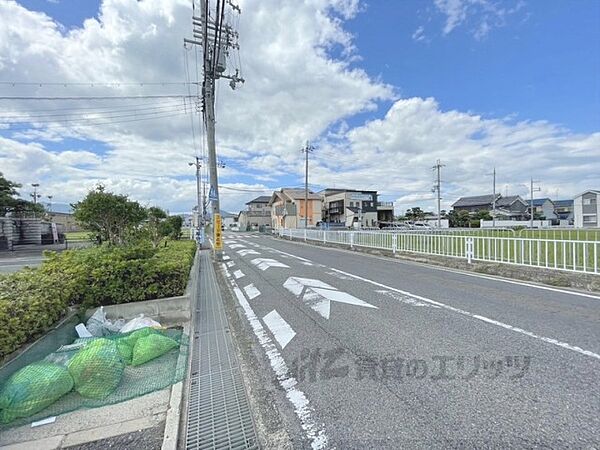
515,223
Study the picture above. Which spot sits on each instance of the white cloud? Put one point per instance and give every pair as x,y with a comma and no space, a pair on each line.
481,15
295,90
419,34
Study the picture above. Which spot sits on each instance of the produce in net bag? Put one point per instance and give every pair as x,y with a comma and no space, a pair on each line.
125,350
151,346
133,337
97,369
32,389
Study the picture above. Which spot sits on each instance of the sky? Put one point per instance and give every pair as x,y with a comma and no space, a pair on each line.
382,89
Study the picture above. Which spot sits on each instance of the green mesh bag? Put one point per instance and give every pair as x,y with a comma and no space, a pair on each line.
132,337
32,389
152,346
125,350
97,369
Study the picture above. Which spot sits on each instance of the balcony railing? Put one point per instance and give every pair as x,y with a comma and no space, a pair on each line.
385,204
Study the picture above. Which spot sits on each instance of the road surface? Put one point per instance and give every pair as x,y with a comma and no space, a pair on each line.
369,352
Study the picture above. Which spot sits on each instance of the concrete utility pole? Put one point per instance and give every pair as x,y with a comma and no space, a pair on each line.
199,203
437,187
306,150
217,38
494,202
532,190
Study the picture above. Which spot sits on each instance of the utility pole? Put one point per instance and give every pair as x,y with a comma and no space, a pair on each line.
306,150
199,206
494,201
437,188
217,39
532,190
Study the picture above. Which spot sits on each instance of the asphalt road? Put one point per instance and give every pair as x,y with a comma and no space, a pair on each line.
369,352
15,261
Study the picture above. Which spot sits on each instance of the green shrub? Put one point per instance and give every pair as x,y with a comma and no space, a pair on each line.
33,299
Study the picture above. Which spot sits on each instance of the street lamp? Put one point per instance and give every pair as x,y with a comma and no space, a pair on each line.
34,194
50,202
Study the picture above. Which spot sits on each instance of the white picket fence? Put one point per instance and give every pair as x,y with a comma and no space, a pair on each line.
557,254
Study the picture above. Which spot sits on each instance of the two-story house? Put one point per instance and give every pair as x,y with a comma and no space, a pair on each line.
543,208
288,209
257,213
586,209
511,207
349,207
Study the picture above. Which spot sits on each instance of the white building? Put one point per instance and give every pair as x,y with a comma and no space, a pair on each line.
586,209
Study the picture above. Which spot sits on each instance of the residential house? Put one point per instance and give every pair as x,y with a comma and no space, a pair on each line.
511,207
544,208
288,209
349,207
228,220
564,211
257,213
586,209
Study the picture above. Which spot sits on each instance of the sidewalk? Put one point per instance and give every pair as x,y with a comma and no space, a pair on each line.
216,411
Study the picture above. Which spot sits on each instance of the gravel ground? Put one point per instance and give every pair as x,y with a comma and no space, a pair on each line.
148,439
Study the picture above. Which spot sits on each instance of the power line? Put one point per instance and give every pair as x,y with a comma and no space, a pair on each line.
49,117
94,84
116,97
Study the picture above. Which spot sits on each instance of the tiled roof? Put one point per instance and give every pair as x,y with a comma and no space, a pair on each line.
476,200
260,199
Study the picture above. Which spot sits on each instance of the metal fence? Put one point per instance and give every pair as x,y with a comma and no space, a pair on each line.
557,254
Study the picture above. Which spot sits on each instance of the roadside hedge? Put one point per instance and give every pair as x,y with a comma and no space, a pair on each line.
32,300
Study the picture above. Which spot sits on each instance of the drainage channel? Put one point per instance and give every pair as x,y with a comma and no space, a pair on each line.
218,412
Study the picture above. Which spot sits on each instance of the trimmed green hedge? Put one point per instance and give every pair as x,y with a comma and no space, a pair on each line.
33,299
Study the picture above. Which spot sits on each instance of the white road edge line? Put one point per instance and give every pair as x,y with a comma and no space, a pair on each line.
478,317
314,432
282,331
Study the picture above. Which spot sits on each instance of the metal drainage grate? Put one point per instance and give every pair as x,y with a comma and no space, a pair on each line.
218,415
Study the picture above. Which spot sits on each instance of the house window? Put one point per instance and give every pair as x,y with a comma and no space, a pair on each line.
589,201
589,219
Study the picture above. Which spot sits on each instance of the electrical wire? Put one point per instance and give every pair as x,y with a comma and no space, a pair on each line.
113,111
116,97
175,108
92,83
116,122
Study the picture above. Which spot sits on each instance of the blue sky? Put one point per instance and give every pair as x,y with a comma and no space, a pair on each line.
477,83
543,63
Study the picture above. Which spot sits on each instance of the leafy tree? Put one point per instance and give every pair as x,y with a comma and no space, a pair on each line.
415,213
459,219
175,223
113,218
156,226
9,202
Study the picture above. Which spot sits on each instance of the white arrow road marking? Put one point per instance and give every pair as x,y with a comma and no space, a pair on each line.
238,274
315,431
230,264
251,291
282,331
247,251
319,295
405,299
237,246
297,284
265,263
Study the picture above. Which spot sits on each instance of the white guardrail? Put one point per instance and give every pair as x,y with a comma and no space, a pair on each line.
557,254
